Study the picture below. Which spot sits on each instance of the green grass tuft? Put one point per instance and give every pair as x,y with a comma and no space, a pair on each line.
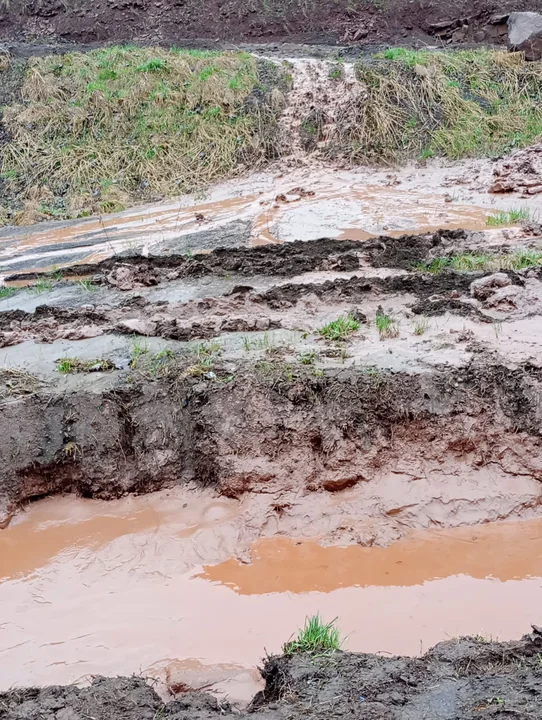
472,262
386,326
67,366
339,329
6,292
316,637
421,326
509,217
40,287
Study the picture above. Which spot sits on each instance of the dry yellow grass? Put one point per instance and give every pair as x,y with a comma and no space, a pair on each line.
456,104
98,131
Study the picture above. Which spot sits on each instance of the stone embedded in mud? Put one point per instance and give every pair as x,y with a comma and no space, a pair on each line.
138,326
525,34
483,287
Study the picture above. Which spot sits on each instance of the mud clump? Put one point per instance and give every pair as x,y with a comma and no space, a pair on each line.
521,172
457,679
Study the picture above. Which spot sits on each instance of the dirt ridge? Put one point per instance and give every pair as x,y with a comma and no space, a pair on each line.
460,679
246,431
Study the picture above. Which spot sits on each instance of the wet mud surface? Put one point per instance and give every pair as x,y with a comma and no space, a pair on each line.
278,206
148,585
457,679
388,477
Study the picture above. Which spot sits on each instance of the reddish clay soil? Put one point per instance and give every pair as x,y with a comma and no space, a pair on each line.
328,21
215,372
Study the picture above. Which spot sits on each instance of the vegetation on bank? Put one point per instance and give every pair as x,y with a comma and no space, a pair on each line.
457,104
316,638
517,260
97,131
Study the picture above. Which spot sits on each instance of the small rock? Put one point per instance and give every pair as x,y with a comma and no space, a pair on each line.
482,288
525,34
503,296
358,315
139,326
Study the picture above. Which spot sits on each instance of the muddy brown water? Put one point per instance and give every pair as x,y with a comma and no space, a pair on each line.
275,210
150,585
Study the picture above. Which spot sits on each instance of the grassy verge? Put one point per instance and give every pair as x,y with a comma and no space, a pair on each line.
518,260
95,132
455,104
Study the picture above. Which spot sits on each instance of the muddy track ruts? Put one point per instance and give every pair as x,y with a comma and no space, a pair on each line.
287,260
244,432
457,679
241,310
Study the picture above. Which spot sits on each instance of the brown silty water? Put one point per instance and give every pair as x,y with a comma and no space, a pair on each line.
154,585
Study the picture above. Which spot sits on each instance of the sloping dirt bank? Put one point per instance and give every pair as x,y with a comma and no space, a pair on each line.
456,680
449,386
329,21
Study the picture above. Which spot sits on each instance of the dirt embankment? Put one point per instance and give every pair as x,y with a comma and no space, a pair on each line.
457,680
293,418
328,21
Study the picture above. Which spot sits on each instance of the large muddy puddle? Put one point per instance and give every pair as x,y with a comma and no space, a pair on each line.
302,204
150,585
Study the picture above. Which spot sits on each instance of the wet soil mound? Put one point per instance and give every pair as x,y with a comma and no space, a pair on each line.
521,172
456,680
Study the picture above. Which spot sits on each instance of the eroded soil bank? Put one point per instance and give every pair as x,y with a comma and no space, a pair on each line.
329,21
354,397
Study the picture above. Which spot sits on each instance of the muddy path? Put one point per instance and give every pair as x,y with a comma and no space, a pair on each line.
458,679
273,404
283,205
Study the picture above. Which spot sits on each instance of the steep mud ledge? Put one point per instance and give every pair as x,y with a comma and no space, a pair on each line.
275,429
329,21
457,680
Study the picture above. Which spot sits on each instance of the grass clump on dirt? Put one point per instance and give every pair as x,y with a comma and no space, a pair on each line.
316,637
151,365
6,292
98,131
386,325
67,366
16,382
458,104
472,262
339,329
509,217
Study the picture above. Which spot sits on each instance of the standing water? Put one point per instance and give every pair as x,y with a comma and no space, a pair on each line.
151,584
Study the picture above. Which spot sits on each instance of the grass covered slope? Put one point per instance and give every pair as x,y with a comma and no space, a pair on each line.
95,132
459,104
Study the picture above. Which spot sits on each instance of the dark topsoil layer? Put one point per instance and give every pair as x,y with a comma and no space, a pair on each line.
456,680
310,20
288,259
245,427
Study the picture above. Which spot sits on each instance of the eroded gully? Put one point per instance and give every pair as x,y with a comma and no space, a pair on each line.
152,585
